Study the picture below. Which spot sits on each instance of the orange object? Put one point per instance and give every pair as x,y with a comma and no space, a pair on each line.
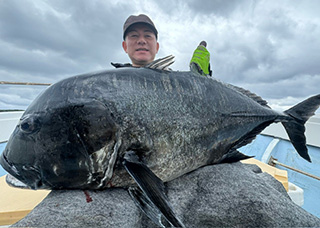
279,174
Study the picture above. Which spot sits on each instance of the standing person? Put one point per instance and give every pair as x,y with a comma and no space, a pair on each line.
140,42
200,60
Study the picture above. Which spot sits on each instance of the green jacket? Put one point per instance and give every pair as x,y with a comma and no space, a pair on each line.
201,57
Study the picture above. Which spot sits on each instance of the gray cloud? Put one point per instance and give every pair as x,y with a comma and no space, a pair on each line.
269,47
52,39
218,7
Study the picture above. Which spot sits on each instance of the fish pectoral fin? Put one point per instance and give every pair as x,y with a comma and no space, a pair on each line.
152,198
149,208
233,156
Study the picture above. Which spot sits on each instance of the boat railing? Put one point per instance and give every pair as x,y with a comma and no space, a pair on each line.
10,118
23,83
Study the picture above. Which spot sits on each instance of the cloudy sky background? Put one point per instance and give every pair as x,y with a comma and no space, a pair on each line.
270,47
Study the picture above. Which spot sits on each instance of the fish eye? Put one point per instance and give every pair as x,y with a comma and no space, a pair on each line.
25,126
29,124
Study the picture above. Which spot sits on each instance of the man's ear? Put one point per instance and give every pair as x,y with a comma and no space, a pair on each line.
158,45
124,46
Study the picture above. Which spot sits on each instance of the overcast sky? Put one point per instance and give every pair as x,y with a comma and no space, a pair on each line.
270,47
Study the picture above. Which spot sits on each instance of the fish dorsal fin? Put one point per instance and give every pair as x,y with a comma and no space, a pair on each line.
248,93
162,63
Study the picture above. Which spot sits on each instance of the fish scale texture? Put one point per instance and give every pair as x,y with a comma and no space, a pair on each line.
224,195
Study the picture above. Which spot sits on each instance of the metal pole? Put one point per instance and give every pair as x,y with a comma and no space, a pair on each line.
23,83
274,162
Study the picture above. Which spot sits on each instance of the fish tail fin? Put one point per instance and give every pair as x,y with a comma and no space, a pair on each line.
295,128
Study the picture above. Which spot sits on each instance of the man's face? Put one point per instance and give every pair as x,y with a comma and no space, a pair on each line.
141,45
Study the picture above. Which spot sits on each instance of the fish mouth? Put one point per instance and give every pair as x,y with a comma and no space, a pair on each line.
14,182
30,179
8,166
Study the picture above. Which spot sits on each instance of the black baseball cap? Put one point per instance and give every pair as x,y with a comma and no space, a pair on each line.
143,19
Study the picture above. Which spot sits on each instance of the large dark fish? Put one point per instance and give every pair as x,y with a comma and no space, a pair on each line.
90,131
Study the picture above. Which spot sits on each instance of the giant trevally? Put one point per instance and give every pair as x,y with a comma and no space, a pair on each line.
99,130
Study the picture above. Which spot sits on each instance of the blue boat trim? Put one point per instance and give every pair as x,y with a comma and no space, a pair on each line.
2,171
